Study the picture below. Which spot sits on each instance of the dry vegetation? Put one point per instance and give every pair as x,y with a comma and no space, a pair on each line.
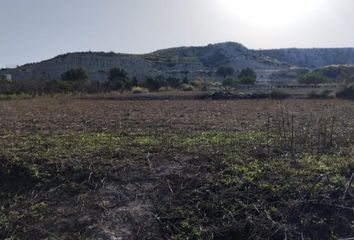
181,169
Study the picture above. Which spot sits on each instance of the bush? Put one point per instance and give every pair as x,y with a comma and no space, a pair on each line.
247,76
118,80
247,80
247,72
187,87
225,71
278,95
160,83
173,82
288,73
322,95
155,83
200,85
73,75
228,82
346,93
313,78
165,89
136,90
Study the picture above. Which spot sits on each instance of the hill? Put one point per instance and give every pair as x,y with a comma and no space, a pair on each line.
312,58
192,62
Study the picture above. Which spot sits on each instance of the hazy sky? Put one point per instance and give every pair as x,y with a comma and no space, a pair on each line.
33,30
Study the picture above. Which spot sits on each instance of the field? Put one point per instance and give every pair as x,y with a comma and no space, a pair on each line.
95,168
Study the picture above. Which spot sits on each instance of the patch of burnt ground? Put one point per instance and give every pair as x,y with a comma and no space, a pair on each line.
78,202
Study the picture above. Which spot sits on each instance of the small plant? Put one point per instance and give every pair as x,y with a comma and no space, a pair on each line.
165,89
137,90
187,87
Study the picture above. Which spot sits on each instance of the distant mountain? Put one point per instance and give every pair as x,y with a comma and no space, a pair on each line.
193,62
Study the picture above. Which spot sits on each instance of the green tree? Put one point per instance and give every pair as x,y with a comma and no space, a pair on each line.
73,75
3,79
247,76
225,71
313,78
173,82
134,82
185,80
73,80
118,79
228,82
154,83
331,72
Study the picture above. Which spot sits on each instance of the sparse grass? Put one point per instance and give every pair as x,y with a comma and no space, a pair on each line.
251,194
21,96
136,90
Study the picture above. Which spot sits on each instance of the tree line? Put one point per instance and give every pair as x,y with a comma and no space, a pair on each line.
77,80
343,75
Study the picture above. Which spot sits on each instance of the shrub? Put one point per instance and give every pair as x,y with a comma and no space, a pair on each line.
155,83
276,94
247,72
228,82
225,71
118,79
288,73
313,78
136,90
165,89
247,76
346,93
74,75
246,80
134,82
322,95
173,82
187,87
200,85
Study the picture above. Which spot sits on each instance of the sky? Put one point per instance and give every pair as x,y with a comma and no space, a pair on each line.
34,30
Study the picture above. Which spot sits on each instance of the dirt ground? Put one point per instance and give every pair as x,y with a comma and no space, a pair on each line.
63,115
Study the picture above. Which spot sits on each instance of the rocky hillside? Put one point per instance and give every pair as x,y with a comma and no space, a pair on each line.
312,58
193,62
